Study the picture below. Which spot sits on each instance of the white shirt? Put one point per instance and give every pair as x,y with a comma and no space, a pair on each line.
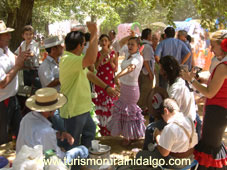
173,138
148,55
123,51
7,62
184,98
48,71
131,79
34,48
36,130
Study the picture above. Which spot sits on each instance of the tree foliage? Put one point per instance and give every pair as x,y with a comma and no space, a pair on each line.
40,13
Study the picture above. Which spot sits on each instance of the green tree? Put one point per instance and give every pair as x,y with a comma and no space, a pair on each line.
40,13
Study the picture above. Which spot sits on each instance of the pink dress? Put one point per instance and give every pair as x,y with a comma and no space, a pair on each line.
103,101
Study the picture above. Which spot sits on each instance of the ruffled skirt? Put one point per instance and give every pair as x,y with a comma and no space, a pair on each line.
127,119
210,152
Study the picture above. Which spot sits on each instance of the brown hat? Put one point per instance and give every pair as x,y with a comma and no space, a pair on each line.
4,29
46,99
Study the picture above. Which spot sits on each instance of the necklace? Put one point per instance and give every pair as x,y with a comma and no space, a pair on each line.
105,57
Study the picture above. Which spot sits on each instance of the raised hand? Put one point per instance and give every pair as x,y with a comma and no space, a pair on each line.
19,60
92,27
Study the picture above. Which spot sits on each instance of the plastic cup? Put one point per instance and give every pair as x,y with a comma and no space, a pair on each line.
95,145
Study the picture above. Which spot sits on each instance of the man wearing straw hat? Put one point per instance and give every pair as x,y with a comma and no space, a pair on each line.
49,72
35,129
9,67
49,69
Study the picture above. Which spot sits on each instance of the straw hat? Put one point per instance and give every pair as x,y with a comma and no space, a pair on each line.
218,35
46,99
3,28
51,42
157,101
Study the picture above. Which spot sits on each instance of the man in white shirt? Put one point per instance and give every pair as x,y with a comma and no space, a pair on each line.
49,70
146,77
35,129
177,139
9,67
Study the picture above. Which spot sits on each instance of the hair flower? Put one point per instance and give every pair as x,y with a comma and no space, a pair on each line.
224,45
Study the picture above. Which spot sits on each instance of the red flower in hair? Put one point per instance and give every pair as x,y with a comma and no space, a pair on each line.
224,45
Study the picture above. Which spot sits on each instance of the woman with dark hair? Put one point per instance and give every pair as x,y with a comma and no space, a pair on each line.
127,119
106,65
177,89
210,152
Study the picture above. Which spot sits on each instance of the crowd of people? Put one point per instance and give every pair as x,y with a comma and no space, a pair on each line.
83,64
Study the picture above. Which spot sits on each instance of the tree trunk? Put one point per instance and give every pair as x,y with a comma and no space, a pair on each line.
23,17
11,18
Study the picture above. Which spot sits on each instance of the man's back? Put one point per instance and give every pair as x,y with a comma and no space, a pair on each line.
184,98
36,130
174,136
172,47
75,85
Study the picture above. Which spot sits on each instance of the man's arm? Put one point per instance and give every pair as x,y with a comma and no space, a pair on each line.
185,50
146,64
186,57
91,53
157,58
163,151
148,55
9,77
97,81
19,63
158,52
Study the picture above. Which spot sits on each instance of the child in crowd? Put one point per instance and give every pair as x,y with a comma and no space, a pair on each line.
106,65
127,119
31,65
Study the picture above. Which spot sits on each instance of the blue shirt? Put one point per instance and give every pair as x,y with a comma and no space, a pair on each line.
172,47
35,129
189,61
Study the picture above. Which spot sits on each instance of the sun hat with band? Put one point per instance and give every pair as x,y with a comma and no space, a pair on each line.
51,42
157,100
4,29
45,100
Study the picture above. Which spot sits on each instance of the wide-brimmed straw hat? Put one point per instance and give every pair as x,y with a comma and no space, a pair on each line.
46,99
4,29
157,100
51,42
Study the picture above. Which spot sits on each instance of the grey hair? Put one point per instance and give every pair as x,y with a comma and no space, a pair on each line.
171,105
183,32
